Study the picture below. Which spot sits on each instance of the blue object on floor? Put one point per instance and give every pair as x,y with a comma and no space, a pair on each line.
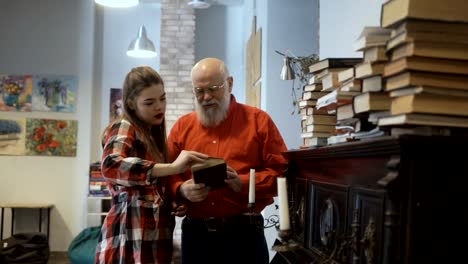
83,247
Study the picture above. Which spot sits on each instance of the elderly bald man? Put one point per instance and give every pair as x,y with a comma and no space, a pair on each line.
216,228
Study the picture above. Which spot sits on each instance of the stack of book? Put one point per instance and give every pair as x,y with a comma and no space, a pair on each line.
361,97
319,120
372,100
319,123
97,184
426,75
412,79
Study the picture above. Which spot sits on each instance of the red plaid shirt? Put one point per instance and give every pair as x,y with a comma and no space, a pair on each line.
138,228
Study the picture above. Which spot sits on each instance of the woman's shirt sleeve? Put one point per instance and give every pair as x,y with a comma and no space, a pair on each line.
125,159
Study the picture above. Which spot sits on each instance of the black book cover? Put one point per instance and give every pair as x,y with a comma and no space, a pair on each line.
334,63
212,172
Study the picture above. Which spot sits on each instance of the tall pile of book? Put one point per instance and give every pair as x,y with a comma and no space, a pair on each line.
370,99
316,124
373,99
321,97
359,97
97,184
413,77
426,75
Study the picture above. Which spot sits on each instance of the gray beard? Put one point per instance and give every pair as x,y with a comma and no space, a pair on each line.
212,117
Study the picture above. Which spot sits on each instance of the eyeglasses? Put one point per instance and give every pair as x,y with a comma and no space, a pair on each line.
199,91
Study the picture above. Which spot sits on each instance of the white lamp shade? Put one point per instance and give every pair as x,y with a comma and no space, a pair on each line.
142,46
200,4
117,3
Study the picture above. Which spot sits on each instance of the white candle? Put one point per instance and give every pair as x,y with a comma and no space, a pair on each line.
283,204
252,186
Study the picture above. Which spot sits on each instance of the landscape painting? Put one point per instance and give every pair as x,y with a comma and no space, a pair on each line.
50,137
54,93
12,136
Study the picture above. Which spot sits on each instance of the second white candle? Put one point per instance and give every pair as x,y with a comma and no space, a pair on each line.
283,204
252,186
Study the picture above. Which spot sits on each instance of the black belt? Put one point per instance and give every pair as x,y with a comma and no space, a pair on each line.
213,224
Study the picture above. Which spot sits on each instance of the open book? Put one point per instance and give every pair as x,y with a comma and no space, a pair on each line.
212,172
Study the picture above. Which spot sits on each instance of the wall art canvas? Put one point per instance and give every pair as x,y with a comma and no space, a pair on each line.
50,137
12,136
15,92
115,104
254,65
54,93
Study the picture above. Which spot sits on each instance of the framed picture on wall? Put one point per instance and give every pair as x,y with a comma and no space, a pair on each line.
115,104
51,137
15,93
12,136
54,93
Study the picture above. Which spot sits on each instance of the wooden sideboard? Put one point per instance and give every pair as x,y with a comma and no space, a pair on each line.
383,200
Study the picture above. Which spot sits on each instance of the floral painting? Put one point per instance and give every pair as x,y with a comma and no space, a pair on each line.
54,93
116,104
12,136
15,92
50,137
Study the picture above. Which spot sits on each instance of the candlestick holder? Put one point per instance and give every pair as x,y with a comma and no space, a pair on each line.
286,241
251,211
251,207
255,218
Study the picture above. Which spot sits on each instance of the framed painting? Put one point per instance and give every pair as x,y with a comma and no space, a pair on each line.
50,137
254,65
12,136
15,93
54,93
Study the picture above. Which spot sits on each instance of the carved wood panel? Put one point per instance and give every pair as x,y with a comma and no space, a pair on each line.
299,210
369,205
328,225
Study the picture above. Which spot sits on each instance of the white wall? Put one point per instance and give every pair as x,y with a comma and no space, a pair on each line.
341,22
219,33
293,26
118,28
50,37
61,37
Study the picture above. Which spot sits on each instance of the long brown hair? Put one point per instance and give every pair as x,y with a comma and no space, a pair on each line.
137,80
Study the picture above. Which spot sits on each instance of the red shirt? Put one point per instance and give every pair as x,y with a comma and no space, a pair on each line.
247,139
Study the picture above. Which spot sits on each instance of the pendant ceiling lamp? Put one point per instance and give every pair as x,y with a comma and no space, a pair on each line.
117,3
142,46
199,4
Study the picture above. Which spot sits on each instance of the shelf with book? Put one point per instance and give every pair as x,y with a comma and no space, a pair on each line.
99,198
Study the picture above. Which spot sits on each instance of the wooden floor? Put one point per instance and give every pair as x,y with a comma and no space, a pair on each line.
62,257
58,258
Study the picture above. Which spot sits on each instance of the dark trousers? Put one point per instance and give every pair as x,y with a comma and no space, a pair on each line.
238,241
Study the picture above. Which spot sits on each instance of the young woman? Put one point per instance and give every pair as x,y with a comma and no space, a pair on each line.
139,226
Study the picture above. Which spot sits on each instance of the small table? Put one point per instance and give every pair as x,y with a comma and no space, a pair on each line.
14,206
